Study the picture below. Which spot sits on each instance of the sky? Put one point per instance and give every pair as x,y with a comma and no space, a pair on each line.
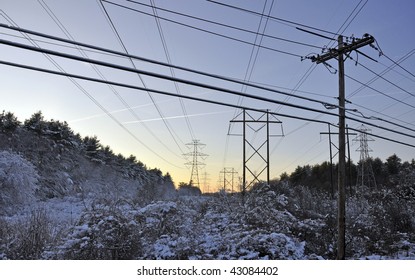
159,129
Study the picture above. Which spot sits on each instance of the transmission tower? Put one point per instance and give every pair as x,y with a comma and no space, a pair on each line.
205,179
228,178
365,175
332,144
194,162
257,125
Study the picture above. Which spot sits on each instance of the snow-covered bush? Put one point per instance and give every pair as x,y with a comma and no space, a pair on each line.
18,180
158,218
102,233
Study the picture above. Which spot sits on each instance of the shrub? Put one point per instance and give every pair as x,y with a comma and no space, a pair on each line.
18,179
102,234
27,238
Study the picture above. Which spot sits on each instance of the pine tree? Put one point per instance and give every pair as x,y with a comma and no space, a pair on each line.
36,122
8,122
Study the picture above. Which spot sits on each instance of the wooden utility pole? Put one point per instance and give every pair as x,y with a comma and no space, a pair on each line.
338,53
341,207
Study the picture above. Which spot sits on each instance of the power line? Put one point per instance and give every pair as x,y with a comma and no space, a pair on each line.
396,63
380,92
274,18
61,45
204,30
380,113
367,85
86,93
62,27
226,25
380,119
353,16
160,76
166,51
381,77
118,36
193,98
251,63
228,79
388,68
152,61
188,82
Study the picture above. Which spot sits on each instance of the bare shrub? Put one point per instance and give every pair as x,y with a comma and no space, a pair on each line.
27,238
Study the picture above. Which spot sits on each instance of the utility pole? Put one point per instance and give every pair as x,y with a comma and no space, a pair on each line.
195,163
338,53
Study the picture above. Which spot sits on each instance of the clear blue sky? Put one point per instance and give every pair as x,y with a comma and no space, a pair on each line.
390,22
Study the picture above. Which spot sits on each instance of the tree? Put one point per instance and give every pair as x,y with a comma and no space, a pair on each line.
36,122
8,122
92,146
379,171
58,130
284,176
393,164
300,174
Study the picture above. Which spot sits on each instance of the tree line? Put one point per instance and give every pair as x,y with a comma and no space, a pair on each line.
389,173
63,135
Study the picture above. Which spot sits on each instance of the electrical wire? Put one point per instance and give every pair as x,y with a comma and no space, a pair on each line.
254,57
160,113
188,82
389,68
380,92
383,114
368,86
43,34
227,25
228,79
146,73
65,31
390,59
166,52
358,12
381,77
195,99
204,30
288,22
86,93
398,64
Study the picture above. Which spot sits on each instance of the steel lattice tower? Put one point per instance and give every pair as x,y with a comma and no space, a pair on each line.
259,155
365,175
195,164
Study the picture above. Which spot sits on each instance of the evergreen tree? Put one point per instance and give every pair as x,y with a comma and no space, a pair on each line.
36,122
393,164
8,122
91,145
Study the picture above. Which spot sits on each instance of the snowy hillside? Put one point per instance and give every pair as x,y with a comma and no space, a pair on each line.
64,197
